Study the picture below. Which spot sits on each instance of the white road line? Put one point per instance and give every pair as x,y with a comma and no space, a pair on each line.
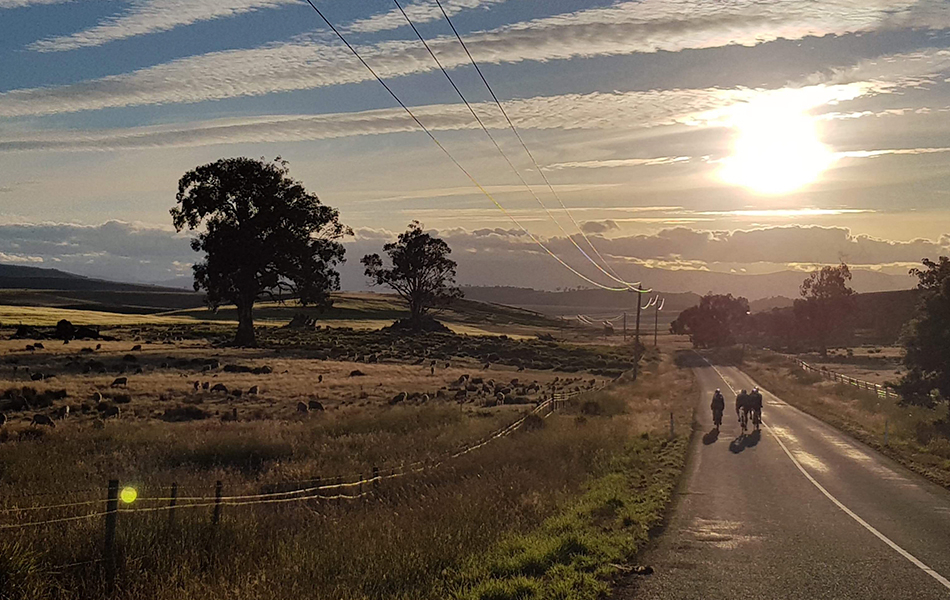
940,578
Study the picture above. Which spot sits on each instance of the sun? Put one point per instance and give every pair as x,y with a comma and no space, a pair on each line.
777,150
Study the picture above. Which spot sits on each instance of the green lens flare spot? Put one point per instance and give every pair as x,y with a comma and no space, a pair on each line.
128,495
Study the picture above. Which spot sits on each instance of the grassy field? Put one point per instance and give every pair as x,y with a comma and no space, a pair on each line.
364,311
552,511
917,437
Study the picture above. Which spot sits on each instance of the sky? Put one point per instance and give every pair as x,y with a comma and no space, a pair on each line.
680,138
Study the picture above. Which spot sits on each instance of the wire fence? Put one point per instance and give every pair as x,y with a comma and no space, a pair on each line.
334,488
881,390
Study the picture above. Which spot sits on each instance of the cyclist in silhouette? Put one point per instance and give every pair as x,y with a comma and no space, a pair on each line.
755,406
743,405
718,406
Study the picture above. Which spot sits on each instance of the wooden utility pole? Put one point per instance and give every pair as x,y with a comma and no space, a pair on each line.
636,343
625,327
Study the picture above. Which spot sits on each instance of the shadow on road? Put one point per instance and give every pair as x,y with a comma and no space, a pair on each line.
711,437
745,441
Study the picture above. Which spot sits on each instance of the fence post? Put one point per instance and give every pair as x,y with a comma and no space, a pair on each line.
112,513
885,432
217,503
376,479
171,505
672,432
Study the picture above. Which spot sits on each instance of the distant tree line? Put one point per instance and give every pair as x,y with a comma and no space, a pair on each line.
821,317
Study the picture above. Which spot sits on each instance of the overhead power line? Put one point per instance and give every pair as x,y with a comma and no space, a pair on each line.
456,162
501,151
613,274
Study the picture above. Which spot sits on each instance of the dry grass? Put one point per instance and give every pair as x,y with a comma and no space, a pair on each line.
434,534
913,438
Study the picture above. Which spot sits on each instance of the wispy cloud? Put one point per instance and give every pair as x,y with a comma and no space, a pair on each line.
24,3
152,16
619,162
630,110
626,28
420,12
891,151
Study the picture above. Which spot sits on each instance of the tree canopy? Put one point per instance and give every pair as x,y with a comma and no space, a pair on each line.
264,235
826,304
718,320
927,378
421,272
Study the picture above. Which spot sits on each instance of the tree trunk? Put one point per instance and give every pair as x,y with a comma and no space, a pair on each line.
416,313
245,333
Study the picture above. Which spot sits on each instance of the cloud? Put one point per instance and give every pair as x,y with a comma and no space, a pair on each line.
625,28
675,259
613,111
621,162
420,12
152,16
25,3
599,226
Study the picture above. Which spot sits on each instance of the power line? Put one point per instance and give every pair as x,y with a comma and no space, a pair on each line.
497,146
455,161
478,69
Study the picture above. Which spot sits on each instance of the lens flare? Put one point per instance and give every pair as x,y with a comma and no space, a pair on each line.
128,495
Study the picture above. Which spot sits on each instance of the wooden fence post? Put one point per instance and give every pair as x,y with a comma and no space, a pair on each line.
112,513
376,479
172,504
216,517
885,432
672,432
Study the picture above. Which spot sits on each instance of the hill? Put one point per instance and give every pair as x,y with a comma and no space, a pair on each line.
39,287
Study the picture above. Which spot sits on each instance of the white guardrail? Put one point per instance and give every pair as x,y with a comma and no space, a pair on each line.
880,390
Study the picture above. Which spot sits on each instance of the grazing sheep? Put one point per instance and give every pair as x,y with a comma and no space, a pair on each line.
431,370
400,397
237,393
447,365
486,366
62,412
98,346
205,385
39,346
120,381
197,385
136,347
315,405
36,376
319,378
112,411
253,390
357,373
302,408
97,397
39,419
220,387
3,419
520,368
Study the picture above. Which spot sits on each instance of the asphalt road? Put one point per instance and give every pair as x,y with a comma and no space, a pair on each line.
752,521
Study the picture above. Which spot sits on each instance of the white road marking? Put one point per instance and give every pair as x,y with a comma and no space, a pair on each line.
920,565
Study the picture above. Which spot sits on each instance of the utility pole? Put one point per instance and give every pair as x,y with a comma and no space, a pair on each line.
656,320
625,327
636,343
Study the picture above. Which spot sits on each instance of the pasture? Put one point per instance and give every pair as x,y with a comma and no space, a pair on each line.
331,406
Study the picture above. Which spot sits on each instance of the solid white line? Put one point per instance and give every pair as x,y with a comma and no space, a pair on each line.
920,565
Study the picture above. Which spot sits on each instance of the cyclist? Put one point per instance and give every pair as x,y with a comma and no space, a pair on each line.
755,405
742,409
718,406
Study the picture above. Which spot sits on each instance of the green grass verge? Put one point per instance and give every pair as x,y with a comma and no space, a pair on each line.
575,554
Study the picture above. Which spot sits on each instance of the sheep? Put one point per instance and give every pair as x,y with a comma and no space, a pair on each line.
39,419
220,387
3,419
302,408
112,411
319,378
197,385
120,381
315,405
62,412
136,347
205,385
97,397
253,390
39,346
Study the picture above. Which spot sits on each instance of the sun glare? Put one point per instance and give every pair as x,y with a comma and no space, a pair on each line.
777,150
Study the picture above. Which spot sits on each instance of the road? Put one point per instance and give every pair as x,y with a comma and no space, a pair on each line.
800,512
